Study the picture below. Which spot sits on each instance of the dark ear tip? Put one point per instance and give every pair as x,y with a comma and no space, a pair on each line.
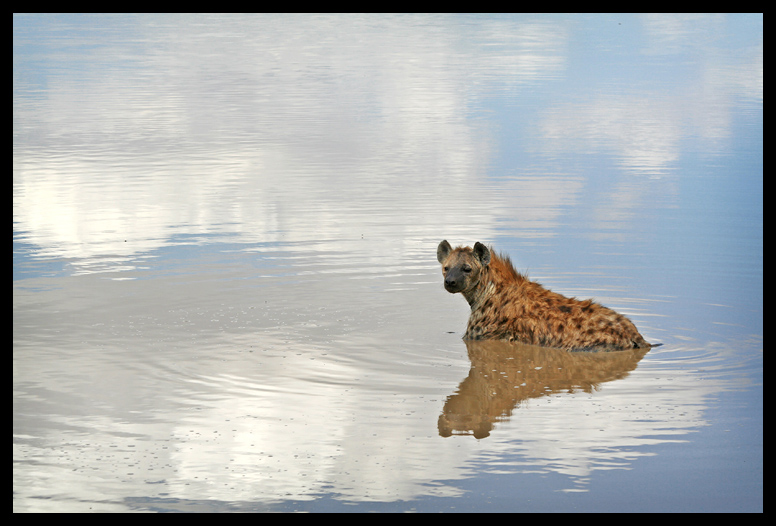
482,252
443,250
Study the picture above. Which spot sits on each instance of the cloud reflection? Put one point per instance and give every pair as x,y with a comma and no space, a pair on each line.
320,134
273,128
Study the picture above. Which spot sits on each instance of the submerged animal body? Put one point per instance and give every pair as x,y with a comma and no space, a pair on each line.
505,305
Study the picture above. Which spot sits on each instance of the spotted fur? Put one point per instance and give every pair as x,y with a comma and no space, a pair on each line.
508,306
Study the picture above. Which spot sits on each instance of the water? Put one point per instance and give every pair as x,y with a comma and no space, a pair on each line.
225,287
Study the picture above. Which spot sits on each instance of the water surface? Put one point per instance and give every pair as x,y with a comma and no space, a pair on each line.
225,288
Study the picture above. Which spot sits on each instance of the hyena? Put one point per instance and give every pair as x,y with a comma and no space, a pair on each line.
508,306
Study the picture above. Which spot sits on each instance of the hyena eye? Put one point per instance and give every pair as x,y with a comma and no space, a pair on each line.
466,268
447,268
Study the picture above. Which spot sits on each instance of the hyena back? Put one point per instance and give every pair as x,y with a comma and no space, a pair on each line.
508,306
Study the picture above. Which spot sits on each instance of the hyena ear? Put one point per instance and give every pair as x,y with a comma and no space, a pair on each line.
443,250
482,253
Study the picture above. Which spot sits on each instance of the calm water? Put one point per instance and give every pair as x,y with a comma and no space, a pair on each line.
225,287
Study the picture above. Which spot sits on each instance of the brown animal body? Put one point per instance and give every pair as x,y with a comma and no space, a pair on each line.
508,306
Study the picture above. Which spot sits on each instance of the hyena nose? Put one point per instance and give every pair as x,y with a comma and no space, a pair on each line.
449,282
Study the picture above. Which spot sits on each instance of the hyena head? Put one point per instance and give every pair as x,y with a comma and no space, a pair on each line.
462,266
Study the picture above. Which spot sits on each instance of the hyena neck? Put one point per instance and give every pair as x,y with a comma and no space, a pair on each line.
484,289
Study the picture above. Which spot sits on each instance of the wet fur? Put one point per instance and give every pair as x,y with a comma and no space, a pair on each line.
508,306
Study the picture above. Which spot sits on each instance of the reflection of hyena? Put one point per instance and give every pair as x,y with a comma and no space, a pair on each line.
508,306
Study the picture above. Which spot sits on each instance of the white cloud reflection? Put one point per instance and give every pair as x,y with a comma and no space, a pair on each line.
271,127
290,128
317,130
